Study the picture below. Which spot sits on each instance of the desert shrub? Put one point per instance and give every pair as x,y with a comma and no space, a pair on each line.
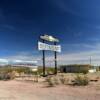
50,70
85,71
62,79
56,81
81,80
40,71
26,70
9,69
5,76
6,70
49,81
36,78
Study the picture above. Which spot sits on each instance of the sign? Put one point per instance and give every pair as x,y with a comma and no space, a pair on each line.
49,38
44,46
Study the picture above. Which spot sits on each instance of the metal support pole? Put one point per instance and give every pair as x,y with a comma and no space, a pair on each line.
55,54
43,62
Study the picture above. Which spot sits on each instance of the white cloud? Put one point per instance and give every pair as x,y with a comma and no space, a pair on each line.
21,57
81,57
3,60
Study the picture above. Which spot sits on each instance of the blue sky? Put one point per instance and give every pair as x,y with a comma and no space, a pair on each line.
76,23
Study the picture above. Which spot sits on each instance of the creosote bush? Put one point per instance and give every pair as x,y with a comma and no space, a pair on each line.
49,81
62,79
81,80
56,81
36,78
5,76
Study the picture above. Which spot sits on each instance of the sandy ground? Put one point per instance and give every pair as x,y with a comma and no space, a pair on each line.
19,90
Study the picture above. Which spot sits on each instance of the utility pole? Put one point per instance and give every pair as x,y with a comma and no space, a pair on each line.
43,62
55,54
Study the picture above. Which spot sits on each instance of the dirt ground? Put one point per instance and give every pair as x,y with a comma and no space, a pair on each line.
21,90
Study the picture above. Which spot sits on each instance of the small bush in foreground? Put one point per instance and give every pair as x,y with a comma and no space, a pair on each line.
49,81
36,78
81,80
56,81
4,76
62,79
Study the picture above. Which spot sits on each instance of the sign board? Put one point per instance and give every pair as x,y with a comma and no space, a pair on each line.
44,46
49,38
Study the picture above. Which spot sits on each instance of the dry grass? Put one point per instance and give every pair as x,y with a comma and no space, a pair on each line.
22,90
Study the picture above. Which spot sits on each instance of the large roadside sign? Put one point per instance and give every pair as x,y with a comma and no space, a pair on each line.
44,46
53,46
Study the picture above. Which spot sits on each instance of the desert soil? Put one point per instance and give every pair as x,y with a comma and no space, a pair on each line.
20,90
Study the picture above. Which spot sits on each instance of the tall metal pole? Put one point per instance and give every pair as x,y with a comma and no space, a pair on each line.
55,54
43,62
